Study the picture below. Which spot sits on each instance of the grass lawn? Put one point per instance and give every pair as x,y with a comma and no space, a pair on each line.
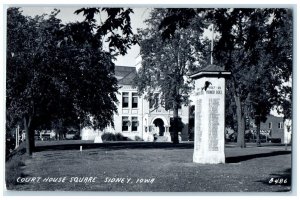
147,167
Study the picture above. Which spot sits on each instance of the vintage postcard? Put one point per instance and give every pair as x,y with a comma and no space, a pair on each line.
149,99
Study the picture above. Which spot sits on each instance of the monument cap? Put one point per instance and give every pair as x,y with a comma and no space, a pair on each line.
211,71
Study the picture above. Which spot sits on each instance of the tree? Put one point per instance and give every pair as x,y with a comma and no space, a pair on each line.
256,74
116,29
255,45
166,64
60,74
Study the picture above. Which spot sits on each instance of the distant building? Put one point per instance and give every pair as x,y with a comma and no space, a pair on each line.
138,118
44,134
274,128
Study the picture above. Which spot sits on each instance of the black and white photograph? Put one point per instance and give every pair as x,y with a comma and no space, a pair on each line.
150,99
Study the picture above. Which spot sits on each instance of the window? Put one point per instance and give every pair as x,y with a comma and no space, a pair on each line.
125,123
134,100
280,125
270,125
125,99
135,124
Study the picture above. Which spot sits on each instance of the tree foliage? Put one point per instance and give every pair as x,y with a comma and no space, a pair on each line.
59,74
256,46
116,29
167,63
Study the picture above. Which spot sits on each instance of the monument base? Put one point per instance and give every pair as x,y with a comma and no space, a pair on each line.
209,158
98,139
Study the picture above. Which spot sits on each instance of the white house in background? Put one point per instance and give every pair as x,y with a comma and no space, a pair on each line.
287,123
286,127
138,118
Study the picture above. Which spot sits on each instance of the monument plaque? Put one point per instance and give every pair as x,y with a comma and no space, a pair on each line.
209,115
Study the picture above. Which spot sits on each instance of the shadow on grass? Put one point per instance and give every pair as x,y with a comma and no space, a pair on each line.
238,159
282,179
115,146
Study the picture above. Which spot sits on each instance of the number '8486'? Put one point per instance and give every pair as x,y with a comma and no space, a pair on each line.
278,180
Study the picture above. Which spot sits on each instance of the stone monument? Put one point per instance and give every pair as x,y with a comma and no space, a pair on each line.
209,141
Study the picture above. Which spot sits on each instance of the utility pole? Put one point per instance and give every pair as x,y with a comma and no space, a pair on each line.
212,45
17,136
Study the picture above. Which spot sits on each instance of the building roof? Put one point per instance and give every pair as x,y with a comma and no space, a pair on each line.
212,68
211,71
125,74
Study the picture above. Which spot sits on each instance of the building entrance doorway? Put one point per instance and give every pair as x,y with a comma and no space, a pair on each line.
160,128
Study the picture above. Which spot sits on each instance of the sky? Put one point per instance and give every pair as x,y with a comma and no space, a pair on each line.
67,15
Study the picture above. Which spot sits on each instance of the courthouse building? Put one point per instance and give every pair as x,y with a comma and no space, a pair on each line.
138,118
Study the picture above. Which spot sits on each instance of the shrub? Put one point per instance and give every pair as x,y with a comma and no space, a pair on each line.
120,137
76,137
108,137
137,138
114,137
9,145
13,166
276,140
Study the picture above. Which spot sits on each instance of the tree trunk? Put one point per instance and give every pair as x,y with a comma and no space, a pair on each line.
29,136
257,123
175,123
56,135
241,123
32,140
